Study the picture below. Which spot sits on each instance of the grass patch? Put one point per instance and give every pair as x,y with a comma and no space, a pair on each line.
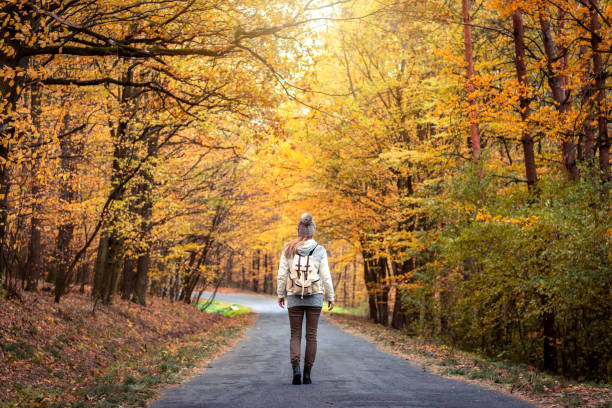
19,350
223,308
453,371
358,311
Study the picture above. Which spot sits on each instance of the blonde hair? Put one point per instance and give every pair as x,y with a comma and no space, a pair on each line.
294,244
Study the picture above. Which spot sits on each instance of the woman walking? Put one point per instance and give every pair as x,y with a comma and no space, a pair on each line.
305,281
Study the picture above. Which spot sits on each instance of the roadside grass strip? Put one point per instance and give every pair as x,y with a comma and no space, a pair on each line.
223,308
134,383
358,311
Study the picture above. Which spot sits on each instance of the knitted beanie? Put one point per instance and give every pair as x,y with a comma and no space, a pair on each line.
306,227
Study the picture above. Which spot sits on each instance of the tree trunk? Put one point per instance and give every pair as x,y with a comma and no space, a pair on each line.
603,142
272,280
266,282
370,282
255,268
113,257
175,286
521,73
9,94
112,268
378,296
67,196
353,294
556,82
373,313
142,278
550,337
382,298
108,267
401,318
64,237
143,209
229,267
344,286
84,272
128,277
34,264
97,288
243,283
469,63
588,141
192,278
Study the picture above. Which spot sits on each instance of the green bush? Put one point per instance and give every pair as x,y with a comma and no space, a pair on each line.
506,261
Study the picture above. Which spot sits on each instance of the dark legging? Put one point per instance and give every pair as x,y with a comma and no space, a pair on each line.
296,316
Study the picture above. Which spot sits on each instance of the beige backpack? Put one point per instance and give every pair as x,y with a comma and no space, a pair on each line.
303,277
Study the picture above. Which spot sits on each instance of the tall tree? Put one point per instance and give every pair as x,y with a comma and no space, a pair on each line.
524,98
600,75
35,261
469,64
557,82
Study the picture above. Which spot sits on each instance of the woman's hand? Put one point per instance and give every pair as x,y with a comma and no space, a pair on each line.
281,302
330,304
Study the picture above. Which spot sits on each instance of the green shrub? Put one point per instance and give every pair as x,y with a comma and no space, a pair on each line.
504,262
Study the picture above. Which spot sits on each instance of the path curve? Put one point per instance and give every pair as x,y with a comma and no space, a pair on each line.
348,372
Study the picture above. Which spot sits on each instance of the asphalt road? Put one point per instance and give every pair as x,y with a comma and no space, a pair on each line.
348,372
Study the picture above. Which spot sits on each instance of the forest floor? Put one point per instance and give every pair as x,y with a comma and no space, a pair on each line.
511,379
61,355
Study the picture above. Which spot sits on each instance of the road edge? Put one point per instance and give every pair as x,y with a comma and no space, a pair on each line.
225,343
351,329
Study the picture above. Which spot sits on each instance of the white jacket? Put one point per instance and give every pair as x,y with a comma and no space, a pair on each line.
319,257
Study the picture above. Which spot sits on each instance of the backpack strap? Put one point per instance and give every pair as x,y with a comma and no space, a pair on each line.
298,264
308,259
307,264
